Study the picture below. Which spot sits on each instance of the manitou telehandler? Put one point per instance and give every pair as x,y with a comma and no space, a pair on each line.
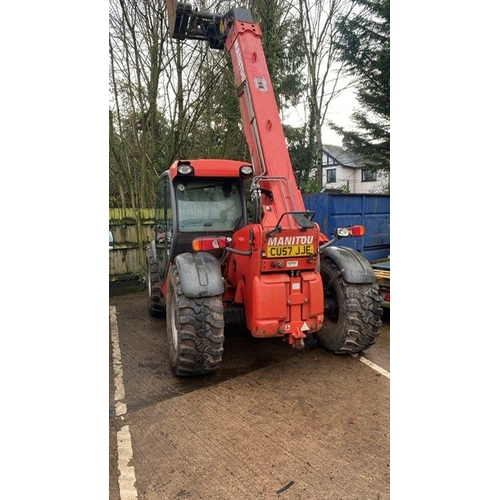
209,264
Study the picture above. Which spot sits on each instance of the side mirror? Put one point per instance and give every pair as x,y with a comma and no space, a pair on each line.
111,240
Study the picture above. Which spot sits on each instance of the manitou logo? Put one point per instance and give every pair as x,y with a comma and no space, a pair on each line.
290,240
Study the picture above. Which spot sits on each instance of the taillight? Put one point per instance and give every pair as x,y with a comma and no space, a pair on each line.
357,230
207,243
354,231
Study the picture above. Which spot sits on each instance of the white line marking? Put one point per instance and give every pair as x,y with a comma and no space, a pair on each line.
377,368
126,479
120,405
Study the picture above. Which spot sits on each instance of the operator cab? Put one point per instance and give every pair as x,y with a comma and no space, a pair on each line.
193,206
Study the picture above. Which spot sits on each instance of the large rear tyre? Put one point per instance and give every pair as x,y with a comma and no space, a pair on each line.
195,330
156,301
352,313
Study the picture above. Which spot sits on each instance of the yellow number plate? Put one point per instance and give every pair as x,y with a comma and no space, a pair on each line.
290,251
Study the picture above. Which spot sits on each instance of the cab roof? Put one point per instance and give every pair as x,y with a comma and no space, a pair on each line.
210,167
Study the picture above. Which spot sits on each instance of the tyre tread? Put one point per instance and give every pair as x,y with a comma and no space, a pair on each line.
200,332
359,319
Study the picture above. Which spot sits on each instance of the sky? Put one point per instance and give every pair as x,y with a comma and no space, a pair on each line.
339,112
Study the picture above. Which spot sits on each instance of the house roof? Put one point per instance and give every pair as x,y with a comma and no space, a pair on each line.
343,156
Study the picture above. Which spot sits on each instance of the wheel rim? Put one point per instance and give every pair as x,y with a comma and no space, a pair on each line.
331,308
331,304
173,324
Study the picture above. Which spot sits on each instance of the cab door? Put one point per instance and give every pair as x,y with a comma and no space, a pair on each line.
163,224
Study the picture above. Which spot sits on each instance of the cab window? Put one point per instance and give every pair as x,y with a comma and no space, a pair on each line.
207,205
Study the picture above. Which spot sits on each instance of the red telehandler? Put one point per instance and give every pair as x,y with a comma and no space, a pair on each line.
209,265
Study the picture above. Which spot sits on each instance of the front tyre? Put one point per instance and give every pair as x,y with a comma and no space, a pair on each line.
352,313
195,330
156,301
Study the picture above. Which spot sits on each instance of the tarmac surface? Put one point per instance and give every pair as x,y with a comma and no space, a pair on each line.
273,422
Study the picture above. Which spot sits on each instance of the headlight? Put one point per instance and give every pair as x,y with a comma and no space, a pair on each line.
246,170
184,169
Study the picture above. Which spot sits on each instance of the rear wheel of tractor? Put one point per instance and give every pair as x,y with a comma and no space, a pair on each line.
195,330
156,301
352,313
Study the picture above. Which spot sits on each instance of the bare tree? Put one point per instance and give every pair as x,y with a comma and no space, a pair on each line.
137,48
172,98
161,90
325,68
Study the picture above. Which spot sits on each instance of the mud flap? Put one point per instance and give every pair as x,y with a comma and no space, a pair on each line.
355,268
200,274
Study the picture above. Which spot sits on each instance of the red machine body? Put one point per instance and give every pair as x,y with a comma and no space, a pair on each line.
279,283
279,268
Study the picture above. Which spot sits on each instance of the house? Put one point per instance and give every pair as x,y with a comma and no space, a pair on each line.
343,172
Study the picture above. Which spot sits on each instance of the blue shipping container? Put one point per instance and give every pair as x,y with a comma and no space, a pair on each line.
370,210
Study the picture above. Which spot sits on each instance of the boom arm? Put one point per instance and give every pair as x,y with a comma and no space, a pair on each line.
272,267
264,134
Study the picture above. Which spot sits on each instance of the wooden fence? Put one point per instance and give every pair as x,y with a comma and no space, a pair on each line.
132,230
